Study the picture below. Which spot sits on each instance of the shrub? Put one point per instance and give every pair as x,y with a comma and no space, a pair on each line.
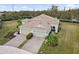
29,36
52,40
55,41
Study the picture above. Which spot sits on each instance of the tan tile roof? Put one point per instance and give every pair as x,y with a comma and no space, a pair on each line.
41,21
45,18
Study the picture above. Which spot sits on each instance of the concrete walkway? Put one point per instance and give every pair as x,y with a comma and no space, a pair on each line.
33,45
15,42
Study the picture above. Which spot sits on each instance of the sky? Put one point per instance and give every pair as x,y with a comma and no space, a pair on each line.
19,7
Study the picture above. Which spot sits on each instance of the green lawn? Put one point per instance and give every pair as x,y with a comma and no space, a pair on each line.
8,26
68,40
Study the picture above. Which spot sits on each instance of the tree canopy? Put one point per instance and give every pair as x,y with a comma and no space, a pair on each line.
53,11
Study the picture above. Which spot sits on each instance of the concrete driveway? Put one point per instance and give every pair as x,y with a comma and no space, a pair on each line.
34,44
15,42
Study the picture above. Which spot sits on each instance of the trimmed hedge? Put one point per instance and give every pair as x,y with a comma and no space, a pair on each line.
29,36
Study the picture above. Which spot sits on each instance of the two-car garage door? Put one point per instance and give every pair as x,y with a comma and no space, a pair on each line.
39,33
36,31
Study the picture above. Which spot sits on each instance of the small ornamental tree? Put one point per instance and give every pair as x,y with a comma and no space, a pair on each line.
19,23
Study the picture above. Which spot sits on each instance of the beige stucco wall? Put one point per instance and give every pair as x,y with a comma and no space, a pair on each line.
40,32
36,31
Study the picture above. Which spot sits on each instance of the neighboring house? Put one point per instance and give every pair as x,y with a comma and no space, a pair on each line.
40,26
